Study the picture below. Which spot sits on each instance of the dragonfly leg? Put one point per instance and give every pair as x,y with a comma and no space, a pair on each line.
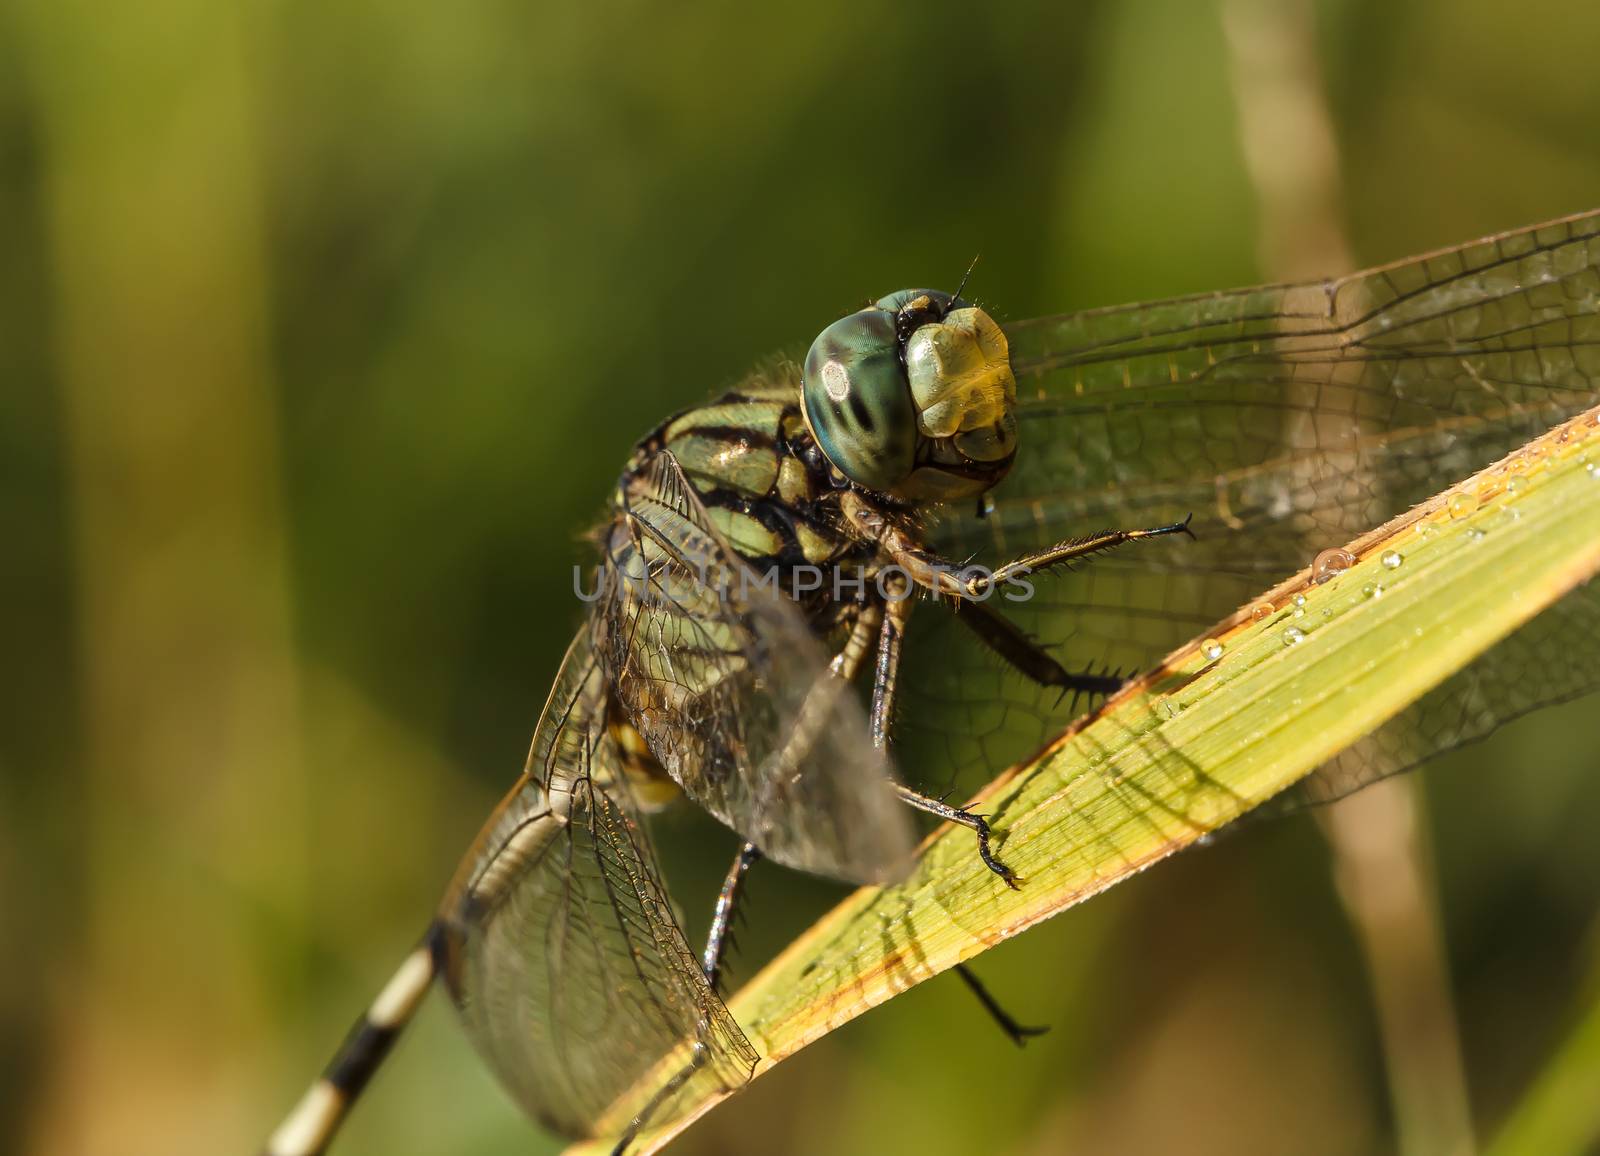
842,670
722,915
971,819
1018,1033
939,575
983,583
897,614
890,636
1007,640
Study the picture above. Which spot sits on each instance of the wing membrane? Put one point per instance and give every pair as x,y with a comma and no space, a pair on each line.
565,960
1287,419
732,691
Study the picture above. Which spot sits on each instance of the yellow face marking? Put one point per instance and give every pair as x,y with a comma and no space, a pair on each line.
960,374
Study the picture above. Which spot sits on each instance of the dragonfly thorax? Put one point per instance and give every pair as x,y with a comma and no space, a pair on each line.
914,397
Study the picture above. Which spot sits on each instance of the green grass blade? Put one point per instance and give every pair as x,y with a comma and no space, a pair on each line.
1560,1114
1201,741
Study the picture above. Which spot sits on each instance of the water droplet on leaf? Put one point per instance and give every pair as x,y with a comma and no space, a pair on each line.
1330,564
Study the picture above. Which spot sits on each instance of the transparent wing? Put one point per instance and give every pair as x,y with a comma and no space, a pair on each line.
564,958
1286,419
732,692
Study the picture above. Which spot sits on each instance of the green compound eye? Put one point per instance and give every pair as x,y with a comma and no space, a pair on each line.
914,397
857,400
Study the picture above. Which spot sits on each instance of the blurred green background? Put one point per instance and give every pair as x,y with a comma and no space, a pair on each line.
323,332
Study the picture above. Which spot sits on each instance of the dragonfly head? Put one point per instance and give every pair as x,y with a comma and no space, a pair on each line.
913,397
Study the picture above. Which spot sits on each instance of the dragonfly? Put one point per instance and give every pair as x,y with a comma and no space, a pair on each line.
748,641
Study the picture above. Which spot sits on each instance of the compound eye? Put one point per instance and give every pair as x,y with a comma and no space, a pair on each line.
914,308
857,401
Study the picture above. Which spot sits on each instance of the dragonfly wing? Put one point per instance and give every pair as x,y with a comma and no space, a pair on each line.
1286,419
563,955
732,692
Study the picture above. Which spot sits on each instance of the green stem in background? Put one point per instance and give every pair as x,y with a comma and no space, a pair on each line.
1382,859
1560,1113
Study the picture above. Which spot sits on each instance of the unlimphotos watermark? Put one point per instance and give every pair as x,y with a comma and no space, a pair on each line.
685,586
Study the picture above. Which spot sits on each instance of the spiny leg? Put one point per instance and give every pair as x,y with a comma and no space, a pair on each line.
841,672
1019,1034
722,914
933,572
885,676
970,819
890,636
864,623
971,585
981,584
1006,639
